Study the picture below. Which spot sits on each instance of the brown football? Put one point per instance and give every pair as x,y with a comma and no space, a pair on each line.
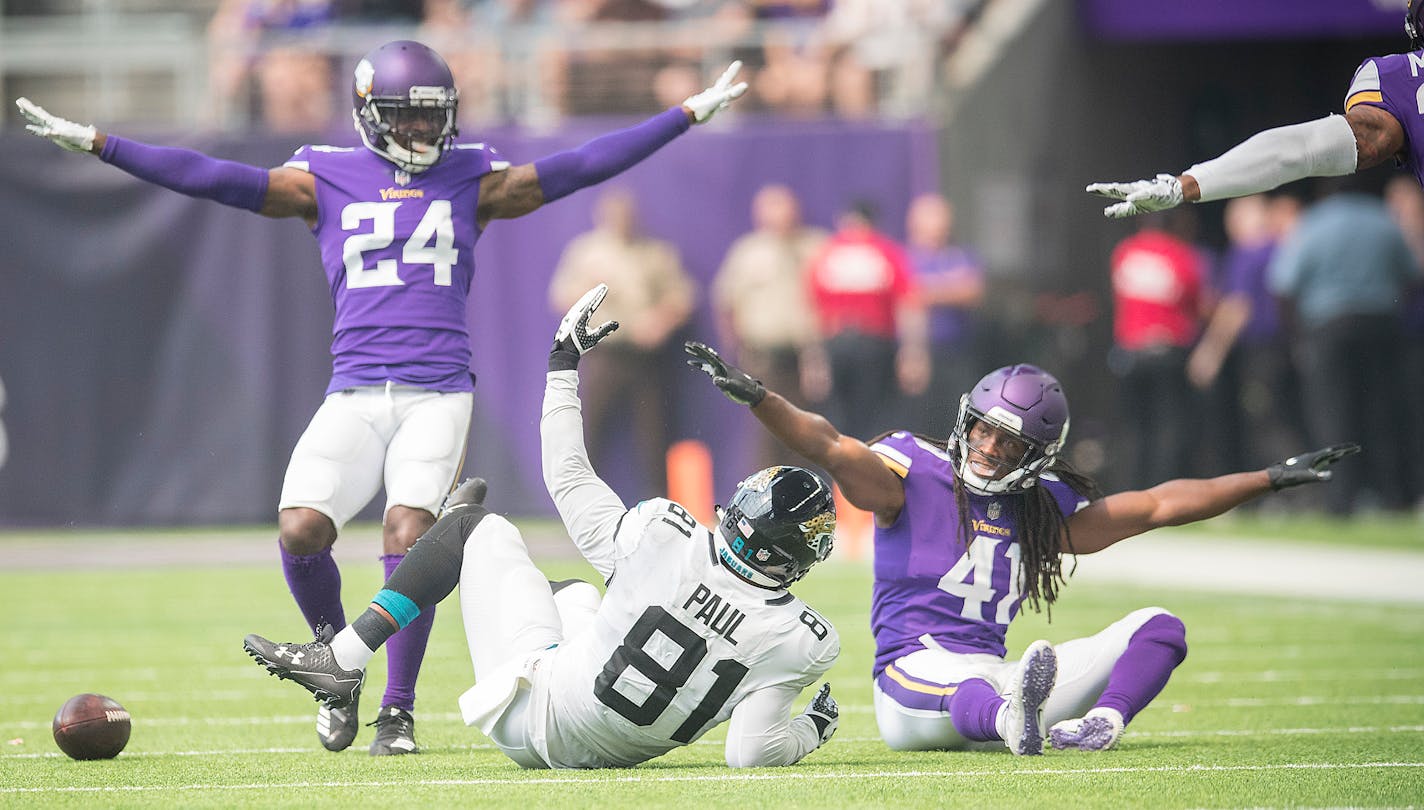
91,727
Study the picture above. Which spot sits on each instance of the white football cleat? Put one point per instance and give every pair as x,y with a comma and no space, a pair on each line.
1032,683
1098,730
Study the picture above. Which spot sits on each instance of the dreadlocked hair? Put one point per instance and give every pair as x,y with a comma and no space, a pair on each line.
1040,526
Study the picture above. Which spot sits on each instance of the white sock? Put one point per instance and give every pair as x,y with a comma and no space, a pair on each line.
999,720
349,650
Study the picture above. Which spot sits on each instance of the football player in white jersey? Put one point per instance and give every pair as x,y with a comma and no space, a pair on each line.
696,626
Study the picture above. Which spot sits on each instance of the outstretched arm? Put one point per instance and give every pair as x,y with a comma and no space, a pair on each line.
277,193
522,189
1174,503
1364,137
589,508
863,478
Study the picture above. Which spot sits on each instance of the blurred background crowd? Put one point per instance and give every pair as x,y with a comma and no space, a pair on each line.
1214,338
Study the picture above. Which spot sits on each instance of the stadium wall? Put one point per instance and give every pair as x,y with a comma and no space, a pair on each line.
161,354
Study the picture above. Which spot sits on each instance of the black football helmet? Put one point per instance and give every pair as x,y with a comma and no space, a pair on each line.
779,523
1413,24
404,104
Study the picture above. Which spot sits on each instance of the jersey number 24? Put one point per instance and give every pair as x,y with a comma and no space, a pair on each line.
432,242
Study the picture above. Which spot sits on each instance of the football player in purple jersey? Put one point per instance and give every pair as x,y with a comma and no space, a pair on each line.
967,529
396,221
1381,122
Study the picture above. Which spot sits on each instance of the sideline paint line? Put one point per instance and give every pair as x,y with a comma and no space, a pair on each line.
603,779
1135,735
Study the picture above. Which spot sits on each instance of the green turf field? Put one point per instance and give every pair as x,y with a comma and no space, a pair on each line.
1281,702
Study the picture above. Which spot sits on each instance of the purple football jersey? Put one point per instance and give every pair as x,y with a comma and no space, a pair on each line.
398,250
930,590
1393,84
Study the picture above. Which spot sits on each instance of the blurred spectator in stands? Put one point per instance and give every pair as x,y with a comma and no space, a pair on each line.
886,49
873,350
259,63
625,391
1158,281
951,284
271,56
1243,356
1405,200
1347,269
761,302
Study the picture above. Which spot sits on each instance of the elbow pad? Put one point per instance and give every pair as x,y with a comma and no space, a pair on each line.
1321,148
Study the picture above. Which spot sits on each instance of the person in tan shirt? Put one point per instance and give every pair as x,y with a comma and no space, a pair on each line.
764,316
625,394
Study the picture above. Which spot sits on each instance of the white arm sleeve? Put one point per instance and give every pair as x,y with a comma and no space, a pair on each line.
589,508
1321,148
762,731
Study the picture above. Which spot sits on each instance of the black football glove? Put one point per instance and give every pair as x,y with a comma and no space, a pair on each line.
824,712
1308,468
574,338
735,383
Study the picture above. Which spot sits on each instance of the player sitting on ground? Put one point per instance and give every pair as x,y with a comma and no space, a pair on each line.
1381,122
696,627
966,529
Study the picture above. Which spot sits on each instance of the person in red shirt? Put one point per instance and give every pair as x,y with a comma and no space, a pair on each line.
1158,305
873,349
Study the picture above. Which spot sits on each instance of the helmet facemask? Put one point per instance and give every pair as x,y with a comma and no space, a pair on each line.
413,132
1022,472
1413,24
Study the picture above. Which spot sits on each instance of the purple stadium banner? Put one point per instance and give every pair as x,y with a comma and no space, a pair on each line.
1241,19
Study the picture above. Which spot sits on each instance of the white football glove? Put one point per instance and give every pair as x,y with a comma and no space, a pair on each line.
824,712
573,334
717,97
1140,196
65,134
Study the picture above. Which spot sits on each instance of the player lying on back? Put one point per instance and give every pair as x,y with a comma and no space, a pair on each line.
966,529
696,627
1381,122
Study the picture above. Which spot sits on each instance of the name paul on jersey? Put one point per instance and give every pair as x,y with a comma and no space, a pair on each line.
714,611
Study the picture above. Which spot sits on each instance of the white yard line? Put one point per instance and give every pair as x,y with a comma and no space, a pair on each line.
781,775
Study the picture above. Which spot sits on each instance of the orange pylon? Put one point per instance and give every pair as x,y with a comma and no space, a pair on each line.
855,529
689,472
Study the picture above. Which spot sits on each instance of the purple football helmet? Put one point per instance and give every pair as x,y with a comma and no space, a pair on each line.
404,101
1413,24
1024,401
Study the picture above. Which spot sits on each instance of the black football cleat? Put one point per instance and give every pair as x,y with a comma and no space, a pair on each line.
312,665
395,733
471,491
336,728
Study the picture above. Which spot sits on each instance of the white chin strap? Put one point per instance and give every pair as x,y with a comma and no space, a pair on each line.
407,159
987,486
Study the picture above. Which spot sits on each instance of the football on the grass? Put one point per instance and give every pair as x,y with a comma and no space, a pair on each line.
91,727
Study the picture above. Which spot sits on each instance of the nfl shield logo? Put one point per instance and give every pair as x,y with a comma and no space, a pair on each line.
402,177
995,510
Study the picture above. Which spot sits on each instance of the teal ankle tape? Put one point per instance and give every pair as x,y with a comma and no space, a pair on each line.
401,608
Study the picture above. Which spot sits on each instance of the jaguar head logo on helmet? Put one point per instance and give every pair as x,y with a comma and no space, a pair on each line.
780,522
1026,407
404,104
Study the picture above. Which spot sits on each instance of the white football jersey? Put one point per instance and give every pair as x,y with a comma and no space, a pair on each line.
677,643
